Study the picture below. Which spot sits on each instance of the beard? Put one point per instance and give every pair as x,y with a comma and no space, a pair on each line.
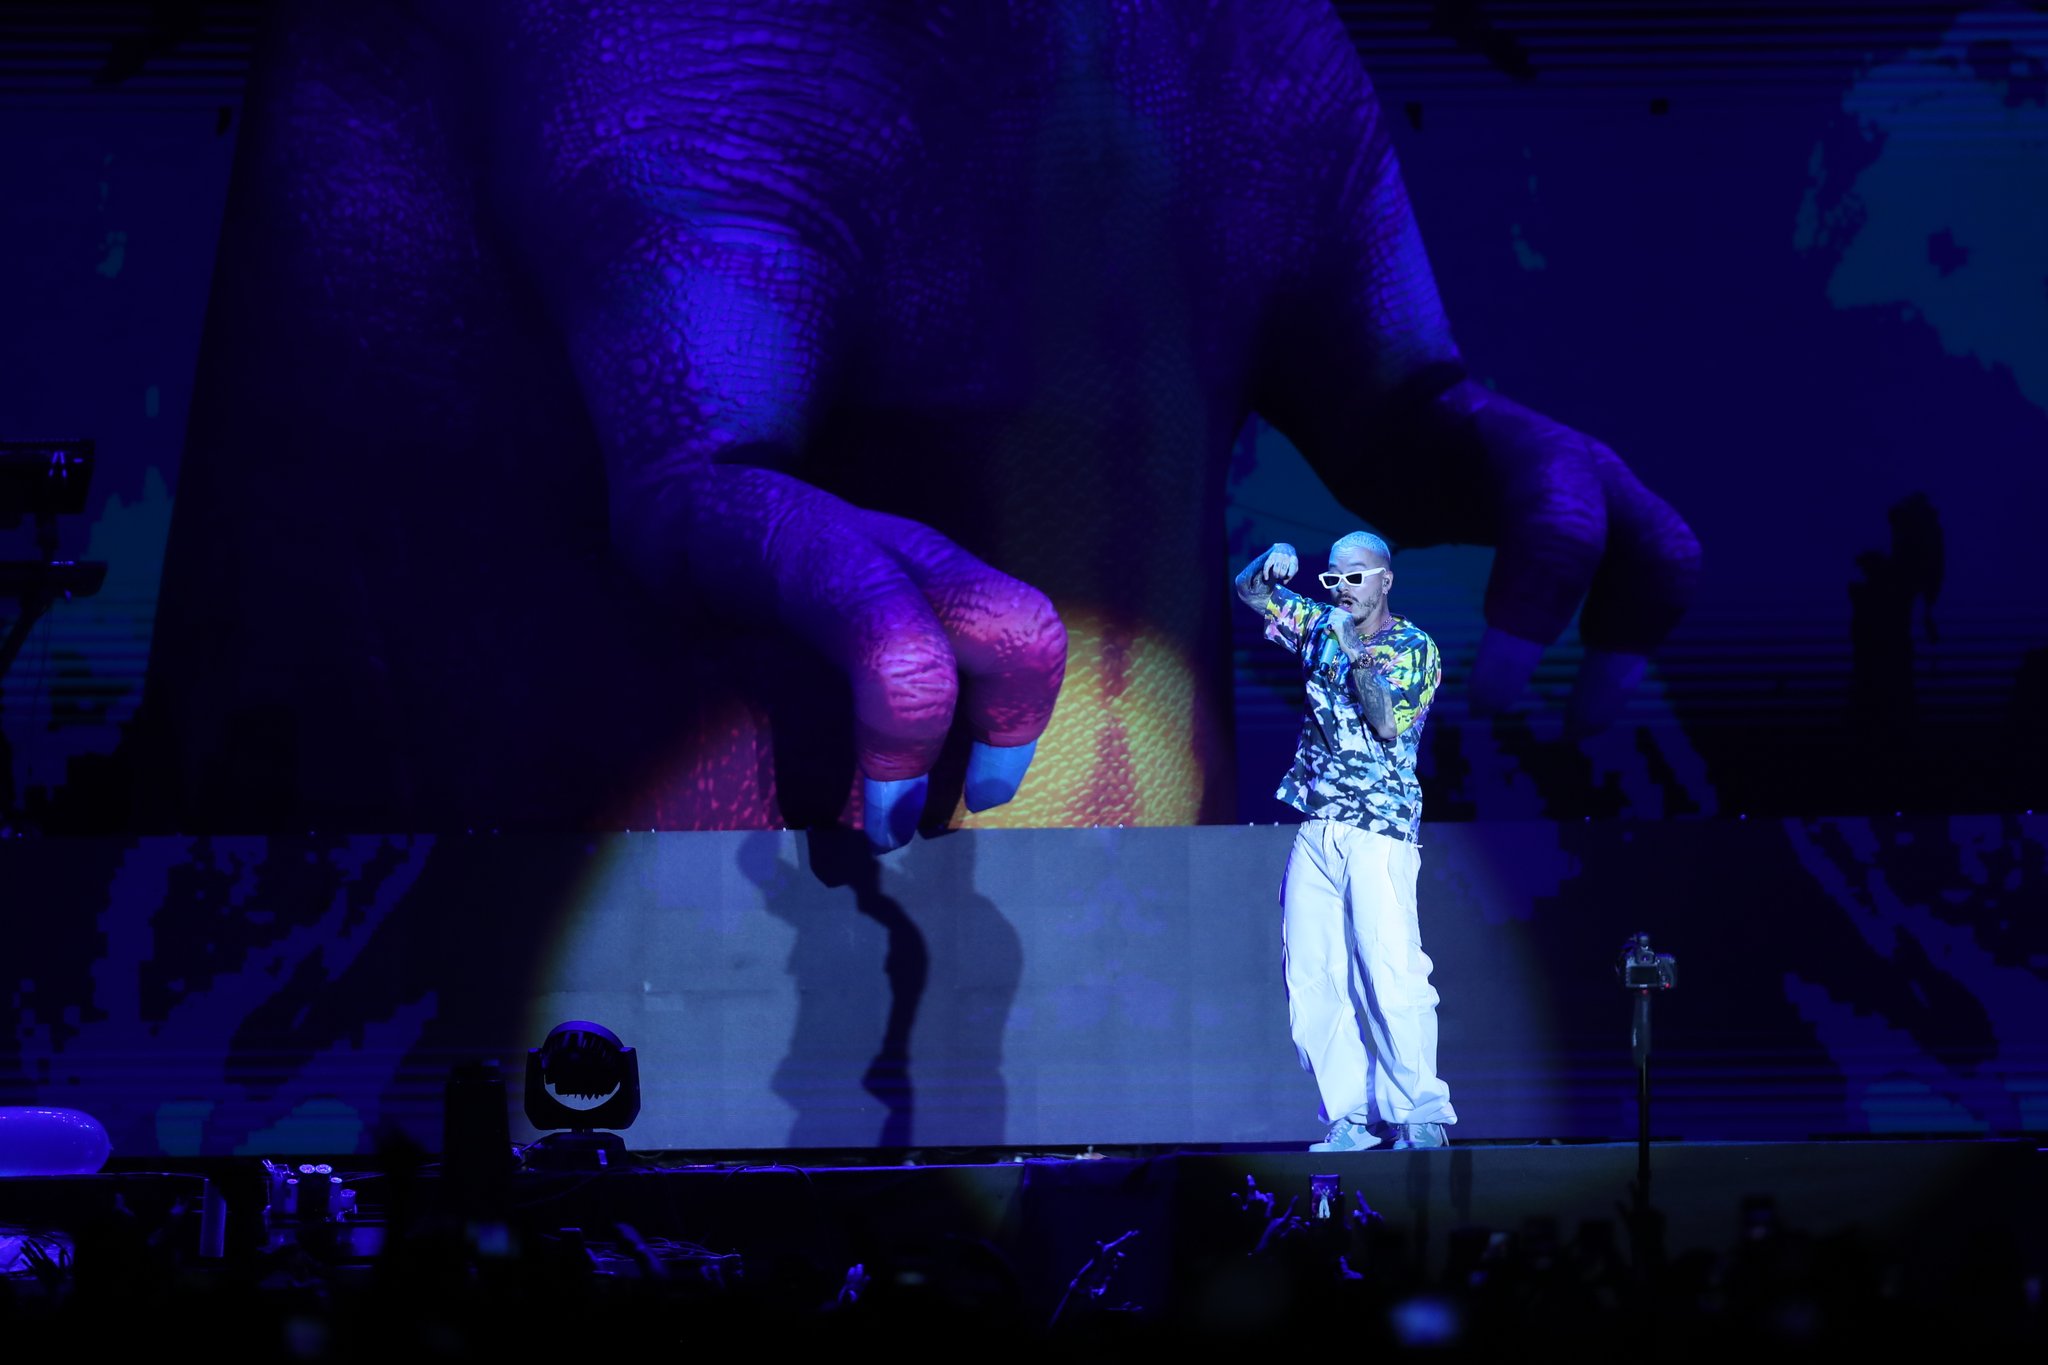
1365,607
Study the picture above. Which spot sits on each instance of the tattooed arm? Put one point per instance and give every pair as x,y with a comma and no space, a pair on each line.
1276,565
1375,698
1375,694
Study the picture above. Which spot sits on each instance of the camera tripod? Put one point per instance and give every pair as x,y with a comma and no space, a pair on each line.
1644,972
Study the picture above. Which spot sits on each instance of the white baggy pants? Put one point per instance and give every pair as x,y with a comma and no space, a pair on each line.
1358,995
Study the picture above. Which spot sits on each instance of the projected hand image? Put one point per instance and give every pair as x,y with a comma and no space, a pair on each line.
902,362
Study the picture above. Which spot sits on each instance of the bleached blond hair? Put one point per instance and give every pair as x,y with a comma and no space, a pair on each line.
1362,540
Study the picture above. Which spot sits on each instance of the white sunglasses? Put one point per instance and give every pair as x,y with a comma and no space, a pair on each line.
1355,579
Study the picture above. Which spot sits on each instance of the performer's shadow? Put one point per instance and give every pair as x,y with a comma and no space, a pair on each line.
837,1068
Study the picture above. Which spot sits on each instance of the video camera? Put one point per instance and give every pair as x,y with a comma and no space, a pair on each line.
1643,968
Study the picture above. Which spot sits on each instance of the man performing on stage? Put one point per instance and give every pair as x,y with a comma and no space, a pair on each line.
1358,993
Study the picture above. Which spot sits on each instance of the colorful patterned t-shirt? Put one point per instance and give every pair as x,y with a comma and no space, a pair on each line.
1343,771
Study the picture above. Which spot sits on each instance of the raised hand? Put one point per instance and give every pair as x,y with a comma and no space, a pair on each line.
1281,564
854,1286
1364,1215
1092,1282
1279,1228
1256,581
1253,1200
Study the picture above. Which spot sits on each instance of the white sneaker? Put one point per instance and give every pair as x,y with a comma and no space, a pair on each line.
1346,1136
1408,1136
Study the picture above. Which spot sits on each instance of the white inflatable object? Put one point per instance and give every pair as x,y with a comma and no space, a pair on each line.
39,1141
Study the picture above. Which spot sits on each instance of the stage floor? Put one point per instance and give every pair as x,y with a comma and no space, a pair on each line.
1892,1191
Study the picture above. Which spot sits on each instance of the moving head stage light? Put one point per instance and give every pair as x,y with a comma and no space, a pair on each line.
581,1061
